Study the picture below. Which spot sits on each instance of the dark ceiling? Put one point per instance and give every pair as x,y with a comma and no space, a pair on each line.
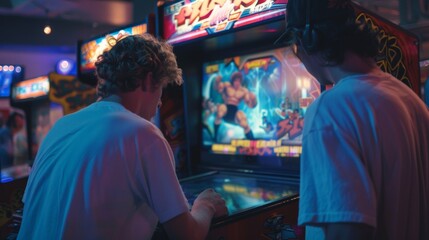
22,21
111,12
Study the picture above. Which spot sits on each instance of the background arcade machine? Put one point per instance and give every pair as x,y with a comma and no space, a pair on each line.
88,50
47,98
13,167
32,96
10,156
43,100
257,173
252,156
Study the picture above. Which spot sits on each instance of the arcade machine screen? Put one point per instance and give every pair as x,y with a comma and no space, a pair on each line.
8,75
89,50
254,104
240,192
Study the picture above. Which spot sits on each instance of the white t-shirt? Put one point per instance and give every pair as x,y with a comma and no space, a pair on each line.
101,173
366,159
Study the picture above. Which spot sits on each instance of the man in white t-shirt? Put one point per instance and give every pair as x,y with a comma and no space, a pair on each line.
365,158
107,172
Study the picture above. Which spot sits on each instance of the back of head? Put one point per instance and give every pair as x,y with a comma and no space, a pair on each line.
329,27
125,66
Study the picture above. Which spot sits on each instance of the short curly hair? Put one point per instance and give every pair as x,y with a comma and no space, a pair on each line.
127,63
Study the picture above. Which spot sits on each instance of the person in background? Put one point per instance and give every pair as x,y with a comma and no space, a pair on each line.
16,124
106,171
365,157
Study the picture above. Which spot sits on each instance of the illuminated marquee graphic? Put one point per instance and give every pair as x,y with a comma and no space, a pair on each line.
189,20
32,88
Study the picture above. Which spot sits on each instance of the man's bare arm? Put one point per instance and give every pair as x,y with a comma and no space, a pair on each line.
196,223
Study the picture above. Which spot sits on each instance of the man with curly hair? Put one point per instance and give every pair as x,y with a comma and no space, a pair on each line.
365,158
106,172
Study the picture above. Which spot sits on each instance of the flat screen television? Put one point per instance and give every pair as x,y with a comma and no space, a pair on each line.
9,74
89,50
254,104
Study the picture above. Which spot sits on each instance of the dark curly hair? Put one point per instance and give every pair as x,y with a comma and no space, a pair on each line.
127,63
334,39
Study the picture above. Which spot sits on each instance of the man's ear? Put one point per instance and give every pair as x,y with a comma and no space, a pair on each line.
147,82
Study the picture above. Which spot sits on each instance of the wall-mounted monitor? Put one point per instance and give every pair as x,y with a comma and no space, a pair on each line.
9,74
89,50
188,20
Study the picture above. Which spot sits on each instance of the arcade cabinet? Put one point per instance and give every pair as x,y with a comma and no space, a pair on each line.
246,143
43,100
244,99
47,98
13,167
10,154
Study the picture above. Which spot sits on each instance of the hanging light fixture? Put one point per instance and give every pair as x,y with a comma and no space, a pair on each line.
47,29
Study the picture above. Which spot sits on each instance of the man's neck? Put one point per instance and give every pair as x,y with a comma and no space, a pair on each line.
111,98
353,65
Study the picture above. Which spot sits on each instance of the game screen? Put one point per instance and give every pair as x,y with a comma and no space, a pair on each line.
240,192
90,50
254,104
31,89
44,115
191,19
9,74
